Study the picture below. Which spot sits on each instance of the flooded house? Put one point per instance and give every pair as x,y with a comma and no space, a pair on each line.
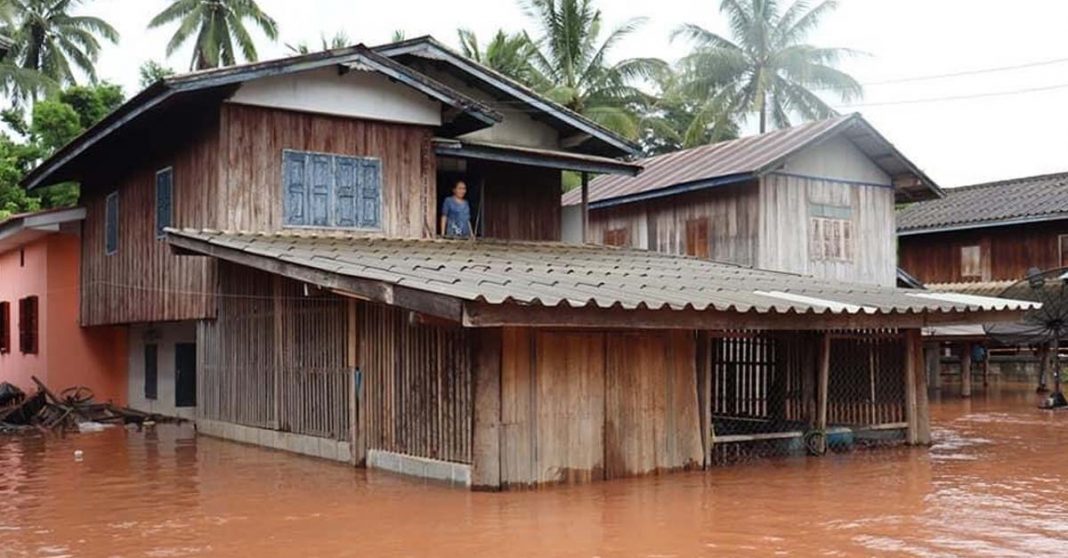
268,236
980,240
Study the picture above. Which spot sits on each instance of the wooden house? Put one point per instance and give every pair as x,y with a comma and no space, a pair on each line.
277,221
817,199
980,240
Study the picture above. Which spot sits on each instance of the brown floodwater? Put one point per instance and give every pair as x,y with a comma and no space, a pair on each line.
993,484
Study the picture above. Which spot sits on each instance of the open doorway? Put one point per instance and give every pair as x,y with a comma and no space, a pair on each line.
450,172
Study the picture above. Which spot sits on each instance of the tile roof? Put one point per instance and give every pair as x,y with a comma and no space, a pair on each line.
1019,200
745,158
557,274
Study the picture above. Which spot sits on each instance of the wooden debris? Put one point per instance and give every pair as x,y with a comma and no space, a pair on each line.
44,411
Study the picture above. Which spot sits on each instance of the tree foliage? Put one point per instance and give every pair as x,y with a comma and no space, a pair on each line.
49,38
151,71
221,37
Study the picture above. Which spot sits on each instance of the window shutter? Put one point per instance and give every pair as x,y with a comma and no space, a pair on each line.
296,192
322,184
164,200
151,372
28,325
111,223
345,214
370,193
5,327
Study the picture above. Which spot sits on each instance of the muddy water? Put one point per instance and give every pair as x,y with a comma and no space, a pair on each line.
992,485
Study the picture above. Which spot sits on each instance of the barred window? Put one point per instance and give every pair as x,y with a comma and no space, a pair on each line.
831,239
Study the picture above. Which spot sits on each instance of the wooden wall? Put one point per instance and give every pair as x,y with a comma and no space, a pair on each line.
520,203
417,385
253,139
1006,252
578,406
276,357
144,281
660,224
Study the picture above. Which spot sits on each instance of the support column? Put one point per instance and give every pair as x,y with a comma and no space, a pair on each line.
932,353
823,386
1043,368
966,369
356,411
585,207
917,408
704,396
986,365
486,462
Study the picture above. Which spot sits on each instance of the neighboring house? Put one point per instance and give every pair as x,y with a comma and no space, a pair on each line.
39,332
266,234
817,199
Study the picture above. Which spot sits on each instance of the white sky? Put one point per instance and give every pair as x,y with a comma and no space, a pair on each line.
956,142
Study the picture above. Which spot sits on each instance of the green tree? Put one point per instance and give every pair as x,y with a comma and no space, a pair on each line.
48,38
672,120
16,159
151,71
339,40
572,67
767,68
218,25
508,53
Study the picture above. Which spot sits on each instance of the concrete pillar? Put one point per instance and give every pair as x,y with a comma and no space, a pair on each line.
966,369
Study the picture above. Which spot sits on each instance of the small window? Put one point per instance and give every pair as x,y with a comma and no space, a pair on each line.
164,200
331,191
971,261
697,238
5,327
28,325
111,224
830,239
151,372
1062,244
617,237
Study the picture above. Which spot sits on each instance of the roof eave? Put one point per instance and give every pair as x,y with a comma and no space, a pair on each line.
982,225
536,158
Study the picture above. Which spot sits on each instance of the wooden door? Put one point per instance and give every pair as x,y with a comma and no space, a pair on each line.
185,375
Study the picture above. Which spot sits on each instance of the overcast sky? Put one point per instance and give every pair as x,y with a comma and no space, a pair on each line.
957,141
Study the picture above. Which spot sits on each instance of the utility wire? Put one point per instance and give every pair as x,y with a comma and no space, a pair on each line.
958,97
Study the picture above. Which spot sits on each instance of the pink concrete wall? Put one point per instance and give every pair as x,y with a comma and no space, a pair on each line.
68,355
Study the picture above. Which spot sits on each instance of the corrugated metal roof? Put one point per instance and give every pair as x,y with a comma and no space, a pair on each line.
746,157
557,274
1019,200
981,288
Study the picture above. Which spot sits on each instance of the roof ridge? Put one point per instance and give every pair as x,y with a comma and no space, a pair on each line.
1005,181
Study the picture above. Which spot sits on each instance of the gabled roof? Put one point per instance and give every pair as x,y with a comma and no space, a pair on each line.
746,158
445,276
22,228
594,138
220,83
1006,202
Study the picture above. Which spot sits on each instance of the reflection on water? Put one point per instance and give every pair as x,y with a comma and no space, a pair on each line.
992,485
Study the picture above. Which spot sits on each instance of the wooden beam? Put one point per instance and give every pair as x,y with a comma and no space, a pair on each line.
585,207
923,407
704,395
933,359
912,345
479,314
823,384
966,369
486,447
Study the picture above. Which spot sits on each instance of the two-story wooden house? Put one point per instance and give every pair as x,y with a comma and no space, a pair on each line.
816,199
267,234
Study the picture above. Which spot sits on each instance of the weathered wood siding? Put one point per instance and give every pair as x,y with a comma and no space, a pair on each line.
785,222
731,212
519,203
1006,253
276,357
578,406
253,138
417,385
143,281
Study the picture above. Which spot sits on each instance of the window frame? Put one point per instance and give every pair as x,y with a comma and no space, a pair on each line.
331,209
844,244
978,274
160,234
109,216
1062,250
5,327
618,237
694,226
29,325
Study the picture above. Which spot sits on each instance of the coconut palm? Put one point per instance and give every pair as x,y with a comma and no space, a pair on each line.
508,53
572,63
339,40
49,39
220,30
673,120
767,67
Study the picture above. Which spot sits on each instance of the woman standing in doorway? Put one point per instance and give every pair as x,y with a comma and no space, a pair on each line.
456,214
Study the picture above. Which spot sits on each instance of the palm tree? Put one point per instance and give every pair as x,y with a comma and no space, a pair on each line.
218,24
768,68
572,65
49,39
339,40
673,120
508,53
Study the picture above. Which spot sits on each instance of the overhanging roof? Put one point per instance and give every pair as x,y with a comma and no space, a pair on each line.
743,159
1017,201
492,283
430,50
470,114
465,149
21,229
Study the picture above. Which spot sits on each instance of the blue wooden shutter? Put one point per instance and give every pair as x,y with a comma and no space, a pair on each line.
111,223
345,213
322,182
164,200
370,193
294,209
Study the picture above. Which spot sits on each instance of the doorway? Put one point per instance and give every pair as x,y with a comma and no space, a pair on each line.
185,375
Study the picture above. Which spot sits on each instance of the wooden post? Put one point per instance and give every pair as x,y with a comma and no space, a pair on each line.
486,462
917,413
932,353
704,395
1043,367
585,207
352,362
986,365
280,347
966,369
823,384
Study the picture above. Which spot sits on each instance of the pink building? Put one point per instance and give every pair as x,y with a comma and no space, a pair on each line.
39,330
